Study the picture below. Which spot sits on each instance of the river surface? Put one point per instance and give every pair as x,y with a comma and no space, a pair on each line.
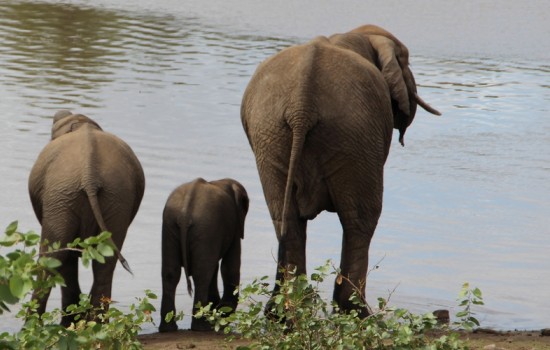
467,199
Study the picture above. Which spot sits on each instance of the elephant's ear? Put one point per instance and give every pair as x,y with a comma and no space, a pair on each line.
61,114
65,123
357,43
396,76
242,201
393,62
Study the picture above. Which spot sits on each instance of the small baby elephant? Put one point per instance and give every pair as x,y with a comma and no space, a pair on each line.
203,223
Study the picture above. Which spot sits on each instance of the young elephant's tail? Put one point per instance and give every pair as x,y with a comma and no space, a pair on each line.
184,224
94,203
185,256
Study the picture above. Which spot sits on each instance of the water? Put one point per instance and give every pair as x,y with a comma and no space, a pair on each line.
465,200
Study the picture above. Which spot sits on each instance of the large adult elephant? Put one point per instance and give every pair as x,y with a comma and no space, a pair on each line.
84,181
319,119
203,223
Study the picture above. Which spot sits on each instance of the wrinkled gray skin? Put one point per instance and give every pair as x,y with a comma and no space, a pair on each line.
84,181
319,119
203,223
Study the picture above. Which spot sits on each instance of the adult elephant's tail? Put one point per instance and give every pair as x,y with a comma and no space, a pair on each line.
298,141
94,203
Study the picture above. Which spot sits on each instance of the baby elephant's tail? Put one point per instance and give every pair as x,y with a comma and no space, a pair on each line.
184,224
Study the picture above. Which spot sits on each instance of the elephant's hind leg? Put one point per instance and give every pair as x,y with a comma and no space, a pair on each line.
358,208
103,282
205,277
353,267
231,275
358,232
41,296
61,229
171,274
292,251
70,293
213,291
117,223
291,257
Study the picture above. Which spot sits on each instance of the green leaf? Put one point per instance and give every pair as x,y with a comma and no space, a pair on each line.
63,343
19,287
150,294
48,262
316,277
105,249
3,307
11,239
278,299
477,293
226,309
399,313
11,228
13,256
473,320
464,291
16,286
31,239
95,255
104,236
85,258
169,316
6,295
81,339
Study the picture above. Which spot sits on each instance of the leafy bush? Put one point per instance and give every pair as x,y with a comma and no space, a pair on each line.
299,318
24,269
466,298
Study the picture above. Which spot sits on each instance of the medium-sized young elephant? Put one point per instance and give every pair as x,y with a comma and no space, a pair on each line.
84,181
203,222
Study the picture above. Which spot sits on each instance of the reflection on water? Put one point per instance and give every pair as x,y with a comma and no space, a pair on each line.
59,50
70,53
465,199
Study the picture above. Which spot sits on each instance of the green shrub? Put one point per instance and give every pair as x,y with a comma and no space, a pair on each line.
24,269
466,298
300,319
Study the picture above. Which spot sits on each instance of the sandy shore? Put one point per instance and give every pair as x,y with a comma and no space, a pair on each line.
483,339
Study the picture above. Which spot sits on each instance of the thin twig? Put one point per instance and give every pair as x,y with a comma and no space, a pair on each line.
61,250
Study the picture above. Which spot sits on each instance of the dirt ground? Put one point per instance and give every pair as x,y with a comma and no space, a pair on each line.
483,340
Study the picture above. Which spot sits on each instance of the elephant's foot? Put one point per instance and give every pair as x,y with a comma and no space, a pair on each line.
67,320
362,310
271,312
348,297
201,325
227,307
168,326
